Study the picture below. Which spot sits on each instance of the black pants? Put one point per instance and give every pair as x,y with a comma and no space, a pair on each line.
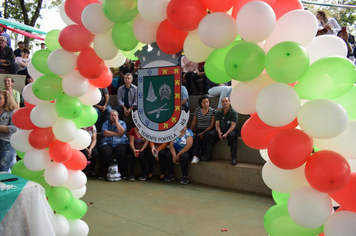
120,110
120,153
12,68
93,159
213,137
161,158
189,78
141,158
199,147
183,161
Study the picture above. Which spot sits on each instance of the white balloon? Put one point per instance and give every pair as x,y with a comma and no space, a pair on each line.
104,47
62,62
81,141
309,208
78,228
299,26
319,47
194,49
217,30
63,225
44,115
145,31
91,97
244,95
79,193
94,19
64,130
64,16
56,174
117,61
264,154
344,143
277,104
255,21
29,96
283,181
31,70
76,179
75,85
153,10
36,160
19,140
322,118
342,223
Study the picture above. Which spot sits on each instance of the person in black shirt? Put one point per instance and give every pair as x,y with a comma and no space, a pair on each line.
7,60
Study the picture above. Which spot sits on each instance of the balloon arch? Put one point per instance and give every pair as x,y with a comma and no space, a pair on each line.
298,88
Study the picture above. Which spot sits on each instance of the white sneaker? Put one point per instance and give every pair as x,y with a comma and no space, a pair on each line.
195,160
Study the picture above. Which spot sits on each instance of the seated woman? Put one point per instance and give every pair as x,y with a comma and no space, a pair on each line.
180,152
113,141
204,117
327,25
138,145
158,152
7,128
23,61
91,152
222,90
28,80
9,82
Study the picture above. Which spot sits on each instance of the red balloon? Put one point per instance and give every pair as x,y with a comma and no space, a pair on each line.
41,138
29,105
282,7
290,148
77,161
169,39
104,80
74,9
346,196
75,38
327,171
89,64
21,118
257,134
241,3
219,6
60,151
185,15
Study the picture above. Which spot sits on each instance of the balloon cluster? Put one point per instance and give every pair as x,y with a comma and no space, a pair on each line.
298,89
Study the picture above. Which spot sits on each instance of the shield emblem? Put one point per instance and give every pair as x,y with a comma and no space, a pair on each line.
159,116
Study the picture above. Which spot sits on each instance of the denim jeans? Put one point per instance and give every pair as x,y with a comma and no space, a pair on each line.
7,155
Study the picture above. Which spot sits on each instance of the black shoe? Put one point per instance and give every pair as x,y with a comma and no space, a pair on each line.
132,178
184,180
124,176
233,161
206,158
170,178
143,177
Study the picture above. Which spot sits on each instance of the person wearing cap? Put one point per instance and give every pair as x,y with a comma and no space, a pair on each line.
18,51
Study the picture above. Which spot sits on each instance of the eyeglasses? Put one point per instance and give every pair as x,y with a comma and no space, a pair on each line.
2,40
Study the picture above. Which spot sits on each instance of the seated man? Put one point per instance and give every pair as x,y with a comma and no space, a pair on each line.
7,60
126,97
225,128
191,74
18,51
103,107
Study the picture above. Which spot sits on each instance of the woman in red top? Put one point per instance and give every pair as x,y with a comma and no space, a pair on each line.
138,146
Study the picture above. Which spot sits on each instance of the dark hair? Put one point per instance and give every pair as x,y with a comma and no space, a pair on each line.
20,43
27,77
202,98
12,80
26,50
323,14
43,44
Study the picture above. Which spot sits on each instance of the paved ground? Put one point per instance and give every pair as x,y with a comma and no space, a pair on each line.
161,209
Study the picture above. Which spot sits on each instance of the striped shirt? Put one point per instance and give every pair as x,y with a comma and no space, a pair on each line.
204,121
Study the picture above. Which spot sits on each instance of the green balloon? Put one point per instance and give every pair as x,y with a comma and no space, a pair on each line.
280,198
68,107
87,118
245,61
44,184
348,101
120,11
215,64
60,198
131,54
47,87
20,154
123,36
278,223
77,210
51,40
39,61
286,62
19,169
328,77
